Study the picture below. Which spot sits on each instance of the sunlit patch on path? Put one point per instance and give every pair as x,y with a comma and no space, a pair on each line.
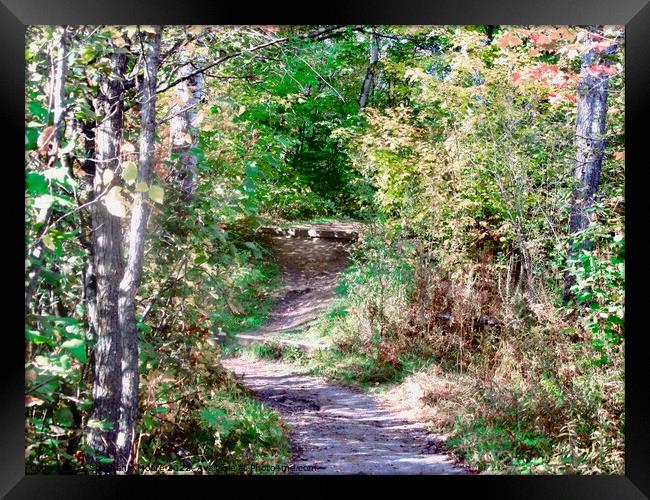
333,428
340,430
310,259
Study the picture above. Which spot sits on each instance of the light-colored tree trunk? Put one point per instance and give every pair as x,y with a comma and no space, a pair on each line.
133,270
183,131
107,249
591,113
58,75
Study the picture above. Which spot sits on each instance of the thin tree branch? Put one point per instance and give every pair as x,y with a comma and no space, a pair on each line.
317,33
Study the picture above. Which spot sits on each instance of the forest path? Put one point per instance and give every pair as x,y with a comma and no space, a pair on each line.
310,266
337,430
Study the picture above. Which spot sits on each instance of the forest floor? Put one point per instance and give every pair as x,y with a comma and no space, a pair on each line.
333,428
310,268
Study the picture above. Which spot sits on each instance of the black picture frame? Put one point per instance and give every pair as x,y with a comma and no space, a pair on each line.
634,14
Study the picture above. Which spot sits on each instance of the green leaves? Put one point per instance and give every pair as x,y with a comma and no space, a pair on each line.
254,248
87,54
252,170
129,172
84,112
101,425
37,109
77,348
217,419
38,337
156,193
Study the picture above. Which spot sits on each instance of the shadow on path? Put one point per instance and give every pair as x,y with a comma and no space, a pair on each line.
335,429
339,430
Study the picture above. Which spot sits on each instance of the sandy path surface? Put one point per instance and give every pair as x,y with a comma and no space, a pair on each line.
310,268
339,430
336,429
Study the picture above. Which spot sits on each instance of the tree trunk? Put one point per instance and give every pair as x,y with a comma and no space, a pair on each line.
182,132
59,72
133,271
107,248
591,114
369,80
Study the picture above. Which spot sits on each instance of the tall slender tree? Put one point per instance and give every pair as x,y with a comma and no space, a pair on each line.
133,270
115,385
183,129
51,144
591,114
107,252
369,80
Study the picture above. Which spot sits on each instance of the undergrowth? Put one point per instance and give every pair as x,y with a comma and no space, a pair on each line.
516,385
197,417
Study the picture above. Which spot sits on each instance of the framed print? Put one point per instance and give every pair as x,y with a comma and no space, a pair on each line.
370,240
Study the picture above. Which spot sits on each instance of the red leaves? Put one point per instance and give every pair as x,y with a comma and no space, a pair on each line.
546,74
550,74
562,40
269,29
600,69
598,47
542,40
555,97
549,38
568,43
32,401
160,170
46,139
388,353
509,40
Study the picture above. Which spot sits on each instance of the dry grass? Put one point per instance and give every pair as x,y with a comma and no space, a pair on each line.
434,397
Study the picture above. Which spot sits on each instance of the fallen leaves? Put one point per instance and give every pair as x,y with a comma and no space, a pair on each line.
235,309
45,139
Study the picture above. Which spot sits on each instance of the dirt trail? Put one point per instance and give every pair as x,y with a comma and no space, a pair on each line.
310,268
336,429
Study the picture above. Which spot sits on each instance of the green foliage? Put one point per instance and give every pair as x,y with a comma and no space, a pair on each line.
462,163
278,138
231,432
597,263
